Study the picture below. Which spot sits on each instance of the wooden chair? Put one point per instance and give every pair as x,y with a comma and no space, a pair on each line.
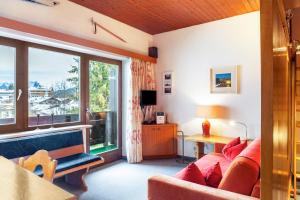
41,158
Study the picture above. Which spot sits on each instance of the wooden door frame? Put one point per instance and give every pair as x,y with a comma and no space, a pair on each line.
274,38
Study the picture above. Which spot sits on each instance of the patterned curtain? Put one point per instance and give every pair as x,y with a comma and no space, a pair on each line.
142,77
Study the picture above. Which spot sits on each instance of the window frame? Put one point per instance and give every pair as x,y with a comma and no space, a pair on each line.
81,97
20,68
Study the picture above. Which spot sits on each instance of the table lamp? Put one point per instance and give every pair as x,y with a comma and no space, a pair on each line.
232,123
211,112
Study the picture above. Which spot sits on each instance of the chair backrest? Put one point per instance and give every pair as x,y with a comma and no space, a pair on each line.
40,158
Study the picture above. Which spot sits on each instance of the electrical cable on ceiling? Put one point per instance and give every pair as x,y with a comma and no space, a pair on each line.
44,2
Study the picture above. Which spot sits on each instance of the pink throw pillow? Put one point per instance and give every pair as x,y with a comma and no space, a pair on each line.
232,152
191,173
232,143
213,175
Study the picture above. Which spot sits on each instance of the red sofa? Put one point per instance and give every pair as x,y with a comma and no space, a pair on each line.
241,179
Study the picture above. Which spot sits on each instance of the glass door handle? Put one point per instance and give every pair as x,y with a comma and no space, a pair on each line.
87,110
19,94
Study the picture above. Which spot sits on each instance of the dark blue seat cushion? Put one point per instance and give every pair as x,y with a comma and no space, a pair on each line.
28,145
71,162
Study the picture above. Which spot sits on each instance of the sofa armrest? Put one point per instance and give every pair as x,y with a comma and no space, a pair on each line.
256,190
168,188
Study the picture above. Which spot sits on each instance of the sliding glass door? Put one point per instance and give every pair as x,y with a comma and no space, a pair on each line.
104,106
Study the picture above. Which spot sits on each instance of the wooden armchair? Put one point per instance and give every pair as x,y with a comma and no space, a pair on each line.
40,158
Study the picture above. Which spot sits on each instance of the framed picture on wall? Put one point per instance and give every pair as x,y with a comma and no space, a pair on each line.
224,79
167,82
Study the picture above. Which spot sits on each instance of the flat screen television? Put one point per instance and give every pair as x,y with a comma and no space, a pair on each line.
148,97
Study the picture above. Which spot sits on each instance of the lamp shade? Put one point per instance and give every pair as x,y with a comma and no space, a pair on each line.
212,111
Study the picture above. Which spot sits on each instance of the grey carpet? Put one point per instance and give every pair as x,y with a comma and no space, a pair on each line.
122,181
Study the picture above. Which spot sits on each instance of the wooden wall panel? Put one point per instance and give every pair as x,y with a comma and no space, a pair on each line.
276,102
296,123
290,4
295,24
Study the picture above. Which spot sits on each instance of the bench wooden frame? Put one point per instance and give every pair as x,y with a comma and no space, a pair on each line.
74,176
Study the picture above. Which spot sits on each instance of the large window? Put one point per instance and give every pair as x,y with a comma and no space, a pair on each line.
53,87
7,85
42,86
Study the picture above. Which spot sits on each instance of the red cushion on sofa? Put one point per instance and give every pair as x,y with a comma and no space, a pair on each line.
232,143
232,152
211,159
191,173
252,151
213,175
241,176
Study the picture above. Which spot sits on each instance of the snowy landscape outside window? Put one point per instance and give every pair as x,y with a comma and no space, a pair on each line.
53,87
7,85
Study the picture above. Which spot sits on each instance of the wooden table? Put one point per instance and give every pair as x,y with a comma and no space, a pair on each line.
17,183
200,140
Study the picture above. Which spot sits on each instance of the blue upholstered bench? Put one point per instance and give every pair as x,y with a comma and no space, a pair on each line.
66,147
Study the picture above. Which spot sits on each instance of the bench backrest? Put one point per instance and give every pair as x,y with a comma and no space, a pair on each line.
59,144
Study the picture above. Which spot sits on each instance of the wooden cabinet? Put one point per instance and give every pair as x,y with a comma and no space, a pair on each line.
159,141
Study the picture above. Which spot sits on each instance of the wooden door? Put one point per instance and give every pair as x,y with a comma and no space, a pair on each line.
166,144
159,141
276,102
149,140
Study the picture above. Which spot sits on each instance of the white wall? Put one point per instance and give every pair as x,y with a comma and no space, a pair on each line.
190,53
73,19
